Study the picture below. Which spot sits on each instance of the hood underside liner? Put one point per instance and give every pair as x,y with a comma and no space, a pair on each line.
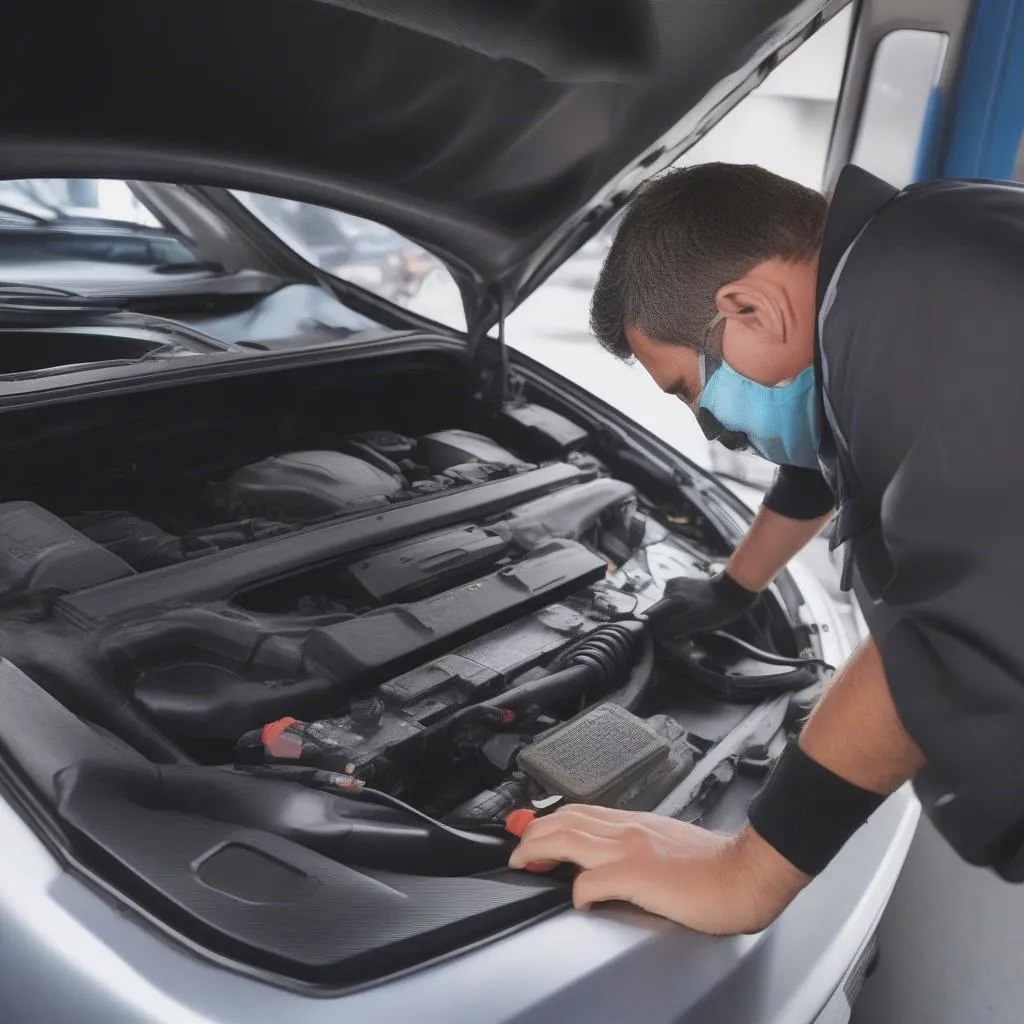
485,134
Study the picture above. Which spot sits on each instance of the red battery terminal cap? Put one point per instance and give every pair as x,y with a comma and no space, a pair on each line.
517,823
279,742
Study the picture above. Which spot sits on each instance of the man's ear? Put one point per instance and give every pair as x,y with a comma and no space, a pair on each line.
752,305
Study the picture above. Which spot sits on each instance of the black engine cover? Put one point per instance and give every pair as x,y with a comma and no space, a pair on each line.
373,646
303,486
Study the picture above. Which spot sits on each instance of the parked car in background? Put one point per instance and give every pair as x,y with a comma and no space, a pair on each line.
360,251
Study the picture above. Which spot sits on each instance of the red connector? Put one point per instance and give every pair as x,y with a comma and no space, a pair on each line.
516,823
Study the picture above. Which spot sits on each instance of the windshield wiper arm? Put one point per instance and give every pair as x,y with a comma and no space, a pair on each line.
28,215
41,305
30,304
28,288
194,267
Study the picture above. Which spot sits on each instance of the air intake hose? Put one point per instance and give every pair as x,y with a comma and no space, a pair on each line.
596,665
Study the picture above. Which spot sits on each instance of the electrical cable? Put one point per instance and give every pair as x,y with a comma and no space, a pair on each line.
768,657
324,780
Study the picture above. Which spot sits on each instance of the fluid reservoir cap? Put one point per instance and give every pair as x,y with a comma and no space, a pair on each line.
366,712
562,619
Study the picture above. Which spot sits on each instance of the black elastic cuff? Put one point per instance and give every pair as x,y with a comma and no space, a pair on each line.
806,812
799,493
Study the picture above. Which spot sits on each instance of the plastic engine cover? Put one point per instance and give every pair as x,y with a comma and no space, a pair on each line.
407,568
395,639
40,552
542,429
303,486
449,448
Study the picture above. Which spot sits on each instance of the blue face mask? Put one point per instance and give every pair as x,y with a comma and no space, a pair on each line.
781,422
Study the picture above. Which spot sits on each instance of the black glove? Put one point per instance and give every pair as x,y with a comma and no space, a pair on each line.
698,605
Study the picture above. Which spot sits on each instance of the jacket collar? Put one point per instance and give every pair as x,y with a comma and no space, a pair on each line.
857,197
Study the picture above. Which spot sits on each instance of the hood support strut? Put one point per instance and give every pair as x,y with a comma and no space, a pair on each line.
489,362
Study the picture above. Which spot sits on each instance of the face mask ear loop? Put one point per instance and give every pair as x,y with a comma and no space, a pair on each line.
702,357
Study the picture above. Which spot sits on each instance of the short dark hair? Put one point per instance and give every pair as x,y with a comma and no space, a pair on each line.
688,232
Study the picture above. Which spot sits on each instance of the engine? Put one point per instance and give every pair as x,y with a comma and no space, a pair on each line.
376,469
437,617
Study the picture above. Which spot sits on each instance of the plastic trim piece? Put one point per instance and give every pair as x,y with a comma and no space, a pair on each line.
223,574
394,639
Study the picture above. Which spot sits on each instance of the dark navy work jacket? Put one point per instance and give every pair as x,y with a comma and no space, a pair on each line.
920,360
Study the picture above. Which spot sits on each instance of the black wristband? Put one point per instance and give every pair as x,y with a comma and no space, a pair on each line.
799,493
806,812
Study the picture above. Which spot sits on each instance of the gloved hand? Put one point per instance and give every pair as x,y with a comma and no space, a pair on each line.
696,605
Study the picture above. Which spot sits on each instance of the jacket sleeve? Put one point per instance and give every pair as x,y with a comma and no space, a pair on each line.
799,493
950,623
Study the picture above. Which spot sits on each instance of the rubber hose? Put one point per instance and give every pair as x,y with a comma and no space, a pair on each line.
598,662
629,695
566,683
86,689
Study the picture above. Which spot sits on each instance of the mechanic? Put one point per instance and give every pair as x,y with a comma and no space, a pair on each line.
872,347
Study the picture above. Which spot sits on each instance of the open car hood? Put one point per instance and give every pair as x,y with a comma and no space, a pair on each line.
499,135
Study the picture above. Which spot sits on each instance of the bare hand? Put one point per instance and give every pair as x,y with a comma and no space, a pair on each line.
713,883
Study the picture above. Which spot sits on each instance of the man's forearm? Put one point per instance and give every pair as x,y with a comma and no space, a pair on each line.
855,731
769,544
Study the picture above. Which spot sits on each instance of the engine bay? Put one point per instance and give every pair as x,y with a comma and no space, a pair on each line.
451,618
284,653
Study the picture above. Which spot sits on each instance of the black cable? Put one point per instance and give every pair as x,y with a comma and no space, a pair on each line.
320,779
567,682
768,657
378,796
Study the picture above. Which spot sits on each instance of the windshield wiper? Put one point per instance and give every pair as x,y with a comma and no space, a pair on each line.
28,288
40,305
26,305
28,215
113,225
193,267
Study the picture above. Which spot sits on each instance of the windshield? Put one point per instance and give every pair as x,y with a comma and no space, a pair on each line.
89,236
50,200
78,249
